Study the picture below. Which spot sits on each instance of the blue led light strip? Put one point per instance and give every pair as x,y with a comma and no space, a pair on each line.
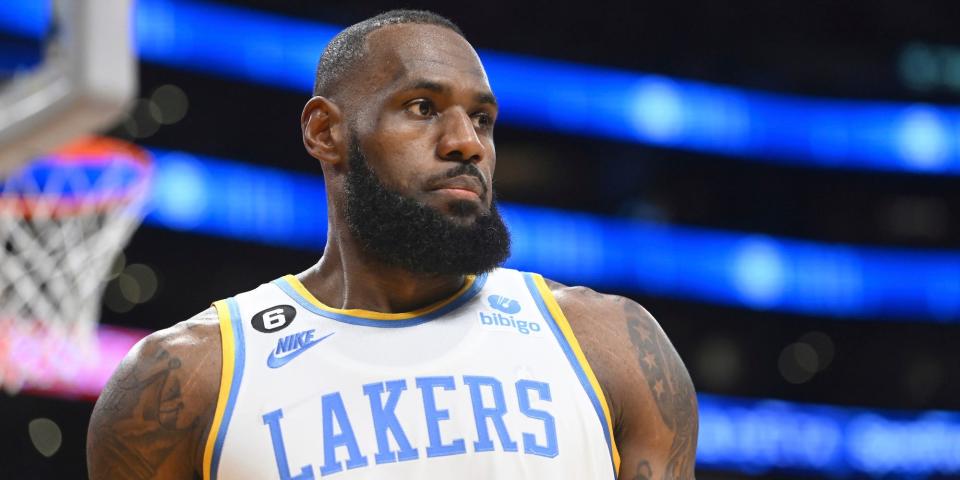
567,97
219,197
756,436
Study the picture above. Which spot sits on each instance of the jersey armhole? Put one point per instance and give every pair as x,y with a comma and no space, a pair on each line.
551,311
231,346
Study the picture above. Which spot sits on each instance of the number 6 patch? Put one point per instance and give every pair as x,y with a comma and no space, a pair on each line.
274,318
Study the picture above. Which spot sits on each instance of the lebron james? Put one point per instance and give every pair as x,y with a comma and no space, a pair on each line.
406,352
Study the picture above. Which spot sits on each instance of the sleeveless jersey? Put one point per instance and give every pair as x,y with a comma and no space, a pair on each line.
488,384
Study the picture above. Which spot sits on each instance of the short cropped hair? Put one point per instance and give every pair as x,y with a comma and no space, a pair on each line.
349,45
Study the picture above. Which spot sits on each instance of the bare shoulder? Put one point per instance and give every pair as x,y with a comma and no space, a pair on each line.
599,323
152,417
586,307
651,396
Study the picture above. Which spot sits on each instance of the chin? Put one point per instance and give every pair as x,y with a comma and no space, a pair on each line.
464,209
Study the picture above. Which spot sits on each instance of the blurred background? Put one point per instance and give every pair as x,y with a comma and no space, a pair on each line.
777,182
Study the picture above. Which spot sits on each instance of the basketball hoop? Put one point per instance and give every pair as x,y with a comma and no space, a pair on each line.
63,219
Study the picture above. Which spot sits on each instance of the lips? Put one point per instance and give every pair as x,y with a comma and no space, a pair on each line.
463,182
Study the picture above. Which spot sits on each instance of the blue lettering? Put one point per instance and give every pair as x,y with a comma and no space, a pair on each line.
272,421
331,405
433,416
293,342
494,413
285,344
549,424
385,418
501,320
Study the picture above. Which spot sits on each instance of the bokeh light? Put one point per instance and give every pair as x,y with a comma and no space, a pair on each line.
45,435
172,104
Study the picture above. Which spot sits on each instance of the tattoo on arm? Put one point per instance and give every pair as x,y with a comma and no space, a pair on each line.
672,389
644,472
139,421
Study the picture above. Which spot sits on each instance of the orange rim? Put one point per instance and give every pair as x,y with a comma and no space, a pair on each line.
91,152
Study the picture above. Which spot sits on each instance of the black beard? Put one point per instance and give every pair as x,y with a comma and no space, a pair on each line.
401,232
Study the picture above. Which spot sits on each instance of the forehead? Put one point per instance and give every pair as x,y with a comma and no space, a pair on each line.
413,51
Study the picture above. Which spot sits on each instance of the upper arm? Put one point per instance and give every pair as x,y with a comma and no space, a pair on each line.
674,400
150,419
651,396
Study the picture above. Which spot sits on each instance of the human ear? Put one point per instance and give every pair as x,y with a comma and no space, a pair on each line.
322,127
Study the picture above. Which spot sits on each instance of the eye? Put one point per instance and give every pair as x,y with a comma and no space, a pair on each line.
422,107
482,120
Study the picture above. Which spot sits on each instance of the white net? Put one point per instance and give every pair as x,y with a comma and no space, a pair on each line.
63,220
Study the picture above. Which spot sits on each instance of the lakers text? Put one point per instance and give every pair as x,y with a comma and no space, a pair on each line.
524,426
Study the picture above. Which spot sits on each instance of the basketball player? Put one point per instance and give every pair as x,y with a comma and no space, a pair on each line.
405,353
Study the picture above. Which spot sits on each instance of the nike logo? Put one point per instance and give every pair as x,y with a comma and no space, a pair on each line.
291,346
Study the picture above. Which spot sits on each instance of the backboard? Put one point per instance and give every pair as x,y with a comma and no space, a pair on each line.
85,81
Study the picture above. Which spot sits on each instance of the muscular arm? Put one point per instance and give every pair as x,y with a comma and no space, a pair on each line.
651,397
151,420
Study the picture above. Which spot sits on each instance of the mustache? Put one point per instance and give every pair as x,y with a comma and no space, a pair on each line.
461,170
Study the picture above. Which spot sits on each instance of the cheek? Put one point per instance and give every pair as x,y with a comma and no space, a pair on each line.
491,159
404,179
489,165
399,165
403,151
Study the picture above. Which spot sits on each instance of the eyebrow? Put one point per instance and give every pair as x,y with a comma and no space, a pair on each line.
483,97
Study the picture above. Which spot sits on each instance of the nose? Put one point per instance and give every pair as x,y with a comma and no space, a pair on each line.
459,141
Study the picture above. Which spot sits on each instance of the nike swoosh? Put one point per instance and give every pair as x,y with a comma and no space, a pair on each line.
273,361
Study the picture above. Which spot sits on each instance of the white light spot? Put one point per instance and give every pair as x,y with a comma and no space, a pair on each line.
822,344
172,104
45,435
129,288
146,281
179,193
923,139
114,298
718,363
759,272
141,121
798,363
657,110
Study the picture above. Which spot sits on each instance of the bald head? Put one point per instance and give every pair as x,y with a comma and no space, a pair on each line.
349,47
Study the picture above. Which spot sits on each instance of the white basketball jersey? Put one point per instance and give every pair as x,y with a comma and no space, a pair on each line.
488,384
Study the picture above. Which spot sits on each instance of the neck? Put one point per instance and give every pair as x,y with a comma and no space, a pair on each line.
345,278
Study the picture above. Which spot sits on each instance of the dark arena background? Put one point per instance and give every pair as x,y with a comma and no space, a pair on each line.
777,182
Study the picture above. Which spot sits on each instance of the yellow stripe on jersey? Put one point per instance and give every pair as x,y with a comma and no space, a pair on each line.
228,346
564,325
294,282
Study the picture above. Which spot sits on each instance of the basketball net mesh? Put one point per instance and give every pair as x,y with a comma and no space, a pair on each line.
62,224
